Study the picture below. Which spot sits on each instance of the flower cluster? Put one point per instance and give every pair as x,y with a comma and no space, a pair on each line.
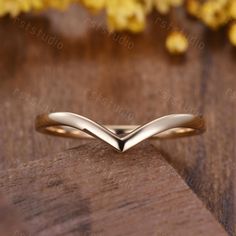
131,14
215,14
14,7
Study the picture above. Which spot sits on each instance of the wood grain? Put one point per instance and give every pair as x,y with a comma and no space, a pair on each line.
11,222
116,79
93,190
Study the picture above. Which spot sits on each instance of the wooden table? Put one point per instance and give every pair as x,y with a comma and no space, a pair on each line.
69,62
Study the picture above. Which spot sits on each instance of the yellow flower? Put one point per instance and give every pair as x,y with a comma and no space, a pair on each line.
14,7
232,34
59,4
214,13
94,5
126,15
232,9
163,6
193,7
177,43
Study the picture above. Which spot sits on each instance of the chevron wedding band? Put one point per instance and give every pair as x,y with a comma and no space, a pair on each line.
120,137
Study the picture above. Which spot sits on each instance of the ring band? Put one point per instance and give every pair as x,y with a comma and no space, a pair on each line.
121,137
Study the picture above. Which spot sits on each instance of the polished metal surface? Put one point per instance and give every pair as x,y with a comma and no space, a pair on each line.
120,137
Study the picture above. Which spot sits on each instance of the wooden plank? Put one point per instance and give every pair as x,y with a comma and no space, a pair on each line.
93,190
11,223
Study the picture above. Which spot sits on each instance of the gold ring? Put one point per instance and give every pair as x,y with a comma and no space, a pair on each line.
120,137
